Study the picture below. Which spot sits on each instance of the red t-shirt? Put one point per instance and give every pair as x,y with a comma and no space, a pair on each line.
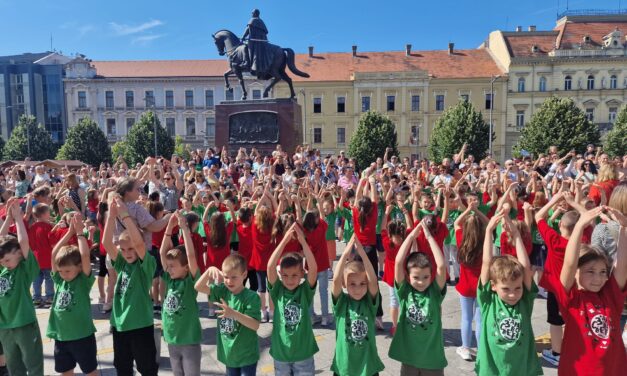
216,255
507,249
40,243
245,247
440,233
368,235
468,274
556,248
92,205
608,186
317,242
157,238
199,250
593,334
55,236
391,250
262,248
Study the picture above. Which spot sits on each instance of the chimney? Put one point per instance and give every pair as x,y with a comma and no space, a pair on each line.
311,51
532,27
354,51
451,45
408,50
518,29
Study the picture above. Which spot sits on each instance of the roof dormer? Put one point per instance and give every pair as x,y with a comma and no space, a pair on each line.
613,39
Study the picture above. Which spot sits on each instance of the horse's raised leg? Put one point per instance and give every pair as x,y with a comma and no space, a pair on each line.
238,73
226,78
287,79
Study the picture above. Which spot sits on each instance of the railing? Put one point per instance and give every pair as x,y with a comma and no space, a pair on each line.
591,12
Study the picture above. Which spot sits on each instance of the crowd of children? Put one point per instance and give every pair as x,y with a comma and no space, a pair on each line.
258,236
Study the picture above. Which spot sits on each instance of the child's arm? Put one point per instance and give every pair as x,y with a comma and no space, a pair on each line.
312,266
373,282
61,243
438,255
276,255
166,243
487,247
528,211
544,211
4,229
83,246
131,227
210,276
107,236
521,252
22,235
189,244
571,257
338,276
620,270
230,313
459,222
399,262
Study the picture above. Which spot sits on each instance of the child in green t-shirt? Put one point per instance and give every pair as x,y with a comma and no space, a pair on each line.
505,293
418,343
355,310
70,323
19,331
293,345
180,316
132,315
239,314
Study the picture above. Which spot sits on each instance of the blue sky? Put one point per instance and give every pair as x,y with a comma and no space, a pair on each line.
164,30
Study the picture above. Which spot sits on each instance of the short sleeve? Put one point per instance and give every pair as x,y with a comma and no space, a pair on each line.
253,306
550,236
275,289
118,263
564,297
309,291
484,294
32,267
148,266
401,289
373,303
56,278
217,292
340,304
90,279
530,295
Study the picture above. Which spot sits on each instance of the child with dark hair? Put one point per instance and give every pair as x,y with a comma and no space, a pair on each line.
42,248
245,247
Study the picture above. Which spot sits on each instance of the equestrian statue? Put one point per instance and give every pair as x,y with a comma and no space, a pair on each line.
254,54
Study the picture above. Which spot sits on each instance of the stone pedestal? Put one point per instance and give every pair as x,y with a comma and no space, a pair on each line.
262,124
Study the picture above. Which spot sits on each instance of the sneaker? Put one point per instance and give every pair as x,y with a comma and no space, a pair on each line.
378,323
46,303
106,307
270,316
101,300
324,321
157,309
464,353
263,316
542,293
547,354
267,316
37,302
315,319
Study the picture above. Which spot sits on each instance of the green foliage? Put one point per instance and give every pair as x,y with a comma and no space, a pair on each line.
615,144
29,134
140,140
181,148
561,123
119,149
87,143
1,146
458,124
374,134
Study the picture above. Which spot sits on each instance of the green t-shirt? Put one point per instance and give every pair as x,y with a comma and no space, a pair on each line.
200,210
70,316
397,213
347,214
234,237
330,220
450,224
132,306
16,303
423,212
355,341
238,346
292,333
536,238
507,341
180,316
380,214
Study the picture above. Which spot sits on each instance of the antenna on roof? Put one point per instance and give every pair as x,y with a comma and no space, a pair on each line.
558,9
506,22
51,42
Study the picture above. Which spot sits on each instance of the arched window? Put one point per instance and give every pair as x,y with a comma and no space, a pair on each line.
568,83
590,82
542,84
521,84
613,82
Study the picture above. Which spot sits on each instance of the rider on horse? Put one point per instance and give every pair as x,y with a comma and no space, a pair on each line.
257,56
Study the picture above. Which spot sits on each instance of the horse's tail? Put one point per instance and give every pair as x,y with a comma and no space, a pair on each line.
291,63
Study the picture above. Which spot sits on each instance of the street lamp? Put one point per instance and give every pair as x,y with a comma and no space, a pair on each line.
302,91
494,78
154,119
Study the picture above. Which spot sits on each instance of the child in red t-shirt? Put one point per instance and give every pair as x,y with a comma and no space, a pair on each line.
591,301
42,249
315,228
245,247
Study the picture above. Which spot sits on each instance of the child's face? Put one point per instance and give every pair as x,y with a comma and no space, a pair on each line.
419,278
127,250
291,277
187,205
45,217
175,269
327,207
234,280
592,275
356,284
69,272
11,259
510,291
426,202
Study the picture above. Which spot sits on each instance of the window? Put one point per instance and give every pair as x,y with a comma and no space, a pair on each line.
613,82
520,118
109,99
210,124
521,84
130,99
82,99
391,99
170,126
150,98
317,136
111,127
341,104
190,126
488,101
256,94
189,98
568,83
590,114
229,95
209,98
415,102
129,124
590,82
169,99
439,102
413,137
464,98
341,135
365,103
542,85
317,105
612,116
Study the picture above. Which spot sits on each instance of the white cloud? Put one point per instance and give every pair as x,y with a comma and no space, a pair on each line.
121,29
146,39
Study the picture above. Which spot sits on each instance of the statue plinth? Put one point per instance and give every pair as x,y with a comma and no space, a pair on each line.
262,124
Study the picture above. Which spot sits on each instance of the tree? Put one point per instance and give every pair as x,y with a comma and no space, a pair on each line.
87,143
181,148
459,124
558,122
374,134
1,146
119,149
140,139
28,135
615,144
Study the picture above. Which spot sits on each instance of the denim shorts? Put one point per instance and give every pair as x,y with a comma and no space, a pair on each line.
303,368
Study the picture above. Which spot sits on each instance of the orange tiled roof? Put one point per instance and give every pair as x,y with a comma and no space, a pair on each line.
323,66
572,33
520,44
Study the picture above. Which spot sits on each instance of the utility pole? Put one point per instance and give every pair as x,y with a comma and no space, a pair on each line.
494,78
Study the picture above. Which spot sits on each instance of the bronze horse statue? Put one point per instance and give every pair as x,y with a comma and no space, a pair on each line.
229,44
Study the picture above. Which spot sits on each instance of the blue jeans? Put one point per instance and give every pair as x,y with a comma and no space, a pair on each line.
249,370
470,308
323,288
43,277
303,368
